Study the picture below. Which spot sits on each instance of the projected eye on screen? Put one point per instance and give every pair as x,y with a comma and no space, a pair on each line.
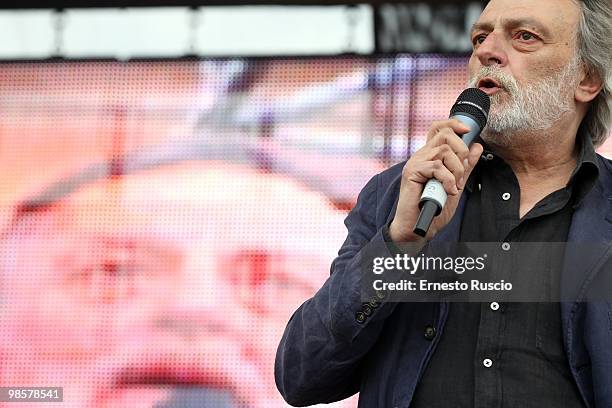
162,220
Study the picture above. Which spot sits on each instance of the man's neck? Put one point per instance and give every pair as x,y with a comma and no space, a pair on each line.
542,162
556,159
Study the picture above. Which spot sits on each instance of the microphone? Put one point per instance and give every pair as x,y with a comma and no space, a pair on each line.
471,109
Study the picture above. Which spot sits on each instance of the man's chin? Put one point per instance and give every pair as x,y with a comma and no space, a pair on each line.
510,138
494,138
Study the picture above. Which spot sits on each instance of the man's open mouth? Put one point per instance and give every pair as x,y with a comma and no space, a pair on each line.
180,372
489,86
165,380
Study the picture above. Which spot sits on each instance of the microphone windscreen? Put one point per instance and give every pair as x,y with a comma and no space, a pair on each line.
474,102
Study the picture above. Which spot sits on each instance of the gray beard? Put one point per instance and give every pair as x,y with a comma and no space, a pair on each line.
531,108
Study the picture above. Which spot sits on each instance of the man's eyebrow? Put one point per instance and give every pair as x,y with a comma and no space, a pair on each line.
481,26
513,23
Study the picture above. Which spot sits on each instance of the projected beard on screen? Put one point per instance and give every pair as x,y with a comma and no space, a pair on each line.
162,220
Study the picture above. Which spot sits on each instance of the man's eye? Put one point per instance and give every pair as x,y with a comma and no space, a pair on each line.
107,271
479,39
526,36
261,279
110,281
112,269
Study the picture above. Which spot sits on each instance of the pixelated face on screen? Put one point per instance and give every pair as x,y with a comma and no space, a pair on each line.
140,289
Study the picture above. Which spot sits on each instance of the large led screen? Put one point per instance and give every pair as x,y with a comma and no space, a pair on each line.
161,220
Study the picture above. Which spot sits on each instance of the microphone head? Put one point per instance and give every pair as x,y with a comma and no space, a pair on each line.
475,103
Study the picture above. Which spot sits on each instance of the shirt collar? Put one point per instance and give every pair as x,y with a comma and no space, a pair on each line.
585,174
581,181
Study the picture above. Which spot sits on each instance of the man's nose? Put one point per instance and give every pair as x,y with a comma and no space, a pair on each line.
203,305
491,50
193,324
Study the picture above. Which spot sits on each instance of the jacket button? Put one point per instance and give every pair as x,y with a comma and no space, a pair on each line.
430,333
374,303
360,317
380,295
367,309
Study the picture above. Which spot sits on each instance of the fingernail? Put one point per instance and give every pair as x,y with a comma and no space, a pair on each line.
465,163
460,184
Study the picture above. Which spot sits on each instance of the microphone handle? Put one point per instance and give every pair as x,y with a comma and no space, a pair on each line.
434,197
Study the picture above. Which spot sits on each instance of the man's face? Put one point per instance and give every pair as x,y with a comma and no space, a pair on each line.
179,277
524,55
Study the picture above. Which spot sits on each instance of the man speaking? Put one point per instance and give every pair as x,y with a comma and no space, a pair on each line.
535,177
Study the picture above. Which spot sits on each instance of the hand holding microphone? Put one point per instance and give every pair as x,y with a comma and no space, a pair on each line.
447,161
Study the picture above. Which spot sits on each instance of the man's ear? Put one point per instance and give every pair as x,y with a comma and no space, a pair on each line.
589,86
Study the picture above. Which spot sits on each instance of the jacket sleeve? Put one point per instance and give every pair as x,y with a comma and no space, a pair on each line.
319,356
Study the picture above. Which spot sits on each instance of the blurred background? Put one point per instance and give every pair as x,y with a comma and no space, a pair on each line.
174,176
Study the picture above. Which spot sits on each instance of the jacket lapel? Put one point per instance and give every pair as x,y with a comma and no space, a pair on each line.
589,242
589,247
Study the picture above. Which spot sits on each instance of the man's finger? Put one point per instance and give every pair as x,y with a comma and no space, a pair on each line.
448,137
436,169
472,160
457,126
474,154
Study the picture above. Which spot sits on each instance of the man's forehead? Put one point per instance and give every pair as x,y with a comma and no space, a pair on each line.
197,184
198,201
556,15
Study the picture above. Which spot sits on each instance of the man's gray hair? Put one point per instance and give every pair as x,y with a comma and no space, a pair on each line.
595,50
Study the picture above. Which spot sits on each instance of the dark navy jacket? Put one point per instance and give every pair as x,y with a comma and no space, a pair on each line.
326,354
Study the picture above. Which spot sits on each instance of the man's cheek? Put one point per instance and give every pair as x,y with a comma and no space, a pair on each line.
61,327
473,66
